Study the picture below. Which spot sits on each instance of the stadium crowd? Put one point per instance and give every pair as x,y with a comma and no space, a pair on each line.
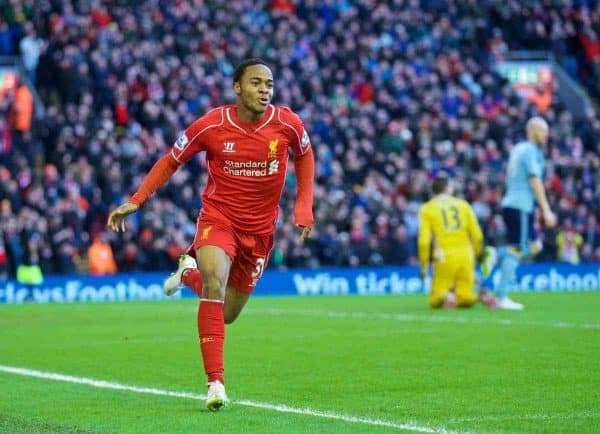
387,101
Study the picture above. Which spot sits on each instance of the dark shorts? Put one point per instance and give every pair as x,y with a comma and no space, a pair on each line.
519,227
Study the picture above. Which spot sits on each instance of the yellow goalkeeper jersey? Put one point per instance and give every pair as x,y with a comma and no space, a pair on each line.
450,225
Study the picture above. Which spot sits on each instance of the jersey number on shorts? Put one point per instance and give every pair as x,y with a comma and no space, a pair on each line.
451,218
260,265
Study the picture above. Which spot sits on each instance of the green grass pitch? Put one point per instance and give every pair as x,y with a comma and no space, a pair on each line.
296,365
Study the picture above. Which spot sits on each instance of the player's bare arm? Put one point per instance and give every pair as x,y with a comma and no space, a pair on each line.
540,196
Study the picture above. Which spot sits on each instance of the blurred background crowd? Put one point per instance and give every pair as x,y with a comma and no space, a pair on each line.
387,101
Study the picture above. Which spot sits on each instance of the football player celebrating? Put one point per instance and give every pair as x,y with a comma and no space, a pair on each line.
246,147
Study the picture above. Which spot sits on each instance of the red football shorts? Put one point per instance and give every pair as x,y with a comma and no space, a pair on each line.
249,253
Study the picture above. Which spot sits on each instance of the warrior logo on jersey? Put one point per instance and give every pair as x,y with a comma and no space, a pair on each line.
181,142
228,147
305,142
273,148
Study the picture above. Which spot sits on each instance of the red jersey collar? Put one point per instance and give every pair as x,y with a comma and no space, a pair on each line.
249,126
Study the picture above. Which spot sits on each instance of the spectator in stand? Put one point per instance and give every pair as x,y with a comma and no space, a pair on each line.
100,257
568,242
388,100
22,110
31,48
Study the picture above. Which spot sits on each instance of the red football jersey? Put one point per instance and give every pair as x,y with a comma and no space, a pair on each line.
246,162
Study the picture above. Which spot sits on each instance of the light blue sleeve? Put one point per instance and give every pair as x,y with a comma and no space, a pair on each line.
531,163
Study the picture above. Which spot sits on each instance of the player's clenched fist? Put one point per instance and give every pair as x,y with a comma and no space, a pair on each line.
116,219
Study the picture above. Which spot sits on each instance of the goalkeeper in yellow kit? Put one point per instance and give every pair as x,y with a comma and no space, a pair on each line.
451,239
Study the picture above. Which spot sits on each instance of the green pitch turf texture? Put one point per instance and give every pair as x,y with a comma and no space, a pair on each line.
343,364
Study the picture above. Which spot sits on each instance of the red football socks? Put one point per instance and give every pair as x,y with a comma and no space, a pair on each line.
192,278
211,329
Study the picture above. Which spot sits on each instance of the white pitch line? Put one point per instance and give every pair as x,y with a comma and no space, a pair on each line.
101,384
423,318
501,418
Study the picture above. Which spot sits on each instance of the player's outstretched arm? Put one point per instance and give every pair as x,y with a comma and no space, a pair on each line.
116,219
162,170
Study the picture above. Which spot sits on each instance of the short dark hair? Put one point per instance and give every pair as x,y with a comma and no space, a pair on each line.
241,68
440,183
